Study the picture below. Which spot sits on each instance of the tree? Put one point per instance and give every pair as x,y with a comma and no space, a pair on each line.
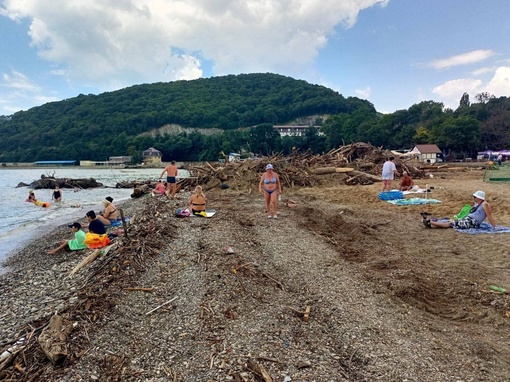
264,139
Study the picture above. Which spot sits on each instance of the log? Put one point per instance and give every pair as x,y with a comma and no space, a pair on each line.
53,338
367,175
324,170
90,258
343,169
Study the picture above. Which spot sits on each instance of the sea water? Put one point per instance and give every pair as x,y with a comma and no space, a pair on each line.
22,222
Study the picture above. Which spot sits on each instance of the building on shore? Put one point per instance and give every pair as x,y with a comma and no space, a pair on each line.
151,157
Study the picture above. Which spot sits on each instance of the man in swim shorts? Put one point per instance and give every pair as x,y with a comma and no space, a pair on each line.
171,175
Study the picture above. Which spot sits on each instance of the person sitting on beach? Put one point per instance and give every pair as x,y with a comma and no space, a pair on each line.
160,189
74,244
31,197
110,213
57,195
406,183
95,225
480,211
197,202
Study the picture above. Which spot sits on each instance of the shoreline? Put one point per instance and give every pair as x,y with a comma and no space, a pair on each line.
26,271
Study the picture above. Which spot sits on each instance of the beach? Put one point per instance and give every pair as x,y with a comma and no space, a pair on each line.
387,299
22,222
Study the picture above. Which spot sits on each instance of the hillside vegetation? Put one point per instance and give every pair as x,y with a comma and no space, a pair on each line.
239,112
96,127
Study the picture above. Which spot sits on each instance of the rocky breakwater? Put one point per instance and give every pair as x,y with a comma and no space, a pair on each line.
49,182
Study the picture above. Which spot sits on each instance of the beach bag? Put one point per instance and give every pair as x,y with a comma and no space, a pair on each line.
93,240
463,212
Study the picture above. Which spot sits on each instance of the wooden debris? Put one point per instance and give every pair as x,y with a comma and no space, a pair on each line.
259,370
306,315
90,258
361,161
53,338
160,306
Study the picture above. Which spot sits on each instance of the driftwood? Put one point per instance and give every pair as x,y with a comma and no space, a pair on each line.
90,258
259,370
324,170
53,338
160,306
373,178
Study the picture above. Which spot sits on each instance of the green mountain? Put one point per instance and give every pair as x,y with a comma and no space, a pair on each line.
96,127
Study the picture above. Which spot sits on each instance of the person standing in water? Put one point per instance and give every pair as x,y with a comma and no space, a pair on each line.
57,195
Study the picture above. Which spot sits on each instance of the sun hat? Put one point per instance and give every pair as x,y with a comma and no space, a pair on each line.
109,198
269,166
75,225
479,194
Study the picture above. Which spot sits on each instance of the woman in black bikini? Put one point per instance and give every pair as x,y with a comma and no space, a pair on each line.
110,213
197,202
270,187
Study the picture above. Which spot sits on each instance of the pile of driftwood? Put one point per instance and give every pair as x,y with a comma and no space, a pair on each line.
357,163
106,274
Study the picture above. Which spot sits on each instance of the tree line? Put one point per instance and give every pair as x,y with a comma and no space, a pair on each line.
243,108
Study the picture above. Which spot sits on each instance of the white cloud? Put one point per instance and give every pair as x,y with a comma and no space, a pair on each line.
461,59
19,82
20,93
115,43
451,92
363,93
499,85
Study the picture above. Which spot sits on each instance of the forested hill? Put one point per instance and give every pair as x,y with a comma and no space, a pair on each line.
98,126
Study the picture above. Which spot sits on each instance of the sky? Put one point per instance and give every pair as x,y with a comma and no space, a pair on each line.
393,53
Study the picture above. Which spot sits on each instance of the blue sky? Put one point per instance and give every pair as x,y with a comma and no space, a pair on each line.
394,53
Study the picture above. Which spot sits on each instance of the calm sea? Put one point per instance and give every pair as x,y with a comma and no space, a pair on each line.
21,222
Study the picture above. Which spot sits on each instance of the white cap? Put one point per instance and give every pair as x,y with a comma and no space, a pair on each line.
479,195
269,166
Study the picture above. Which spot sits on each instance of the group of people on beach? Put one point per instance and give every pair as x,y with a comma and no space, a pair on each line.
479,212
269,186
96,224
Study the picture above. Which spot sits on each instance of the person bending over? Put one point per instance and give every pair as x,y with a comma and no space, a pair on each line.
480,211
406,182
74,244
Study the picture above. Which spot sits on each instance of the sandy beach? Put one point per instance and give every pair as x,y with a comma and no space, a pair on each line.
388,299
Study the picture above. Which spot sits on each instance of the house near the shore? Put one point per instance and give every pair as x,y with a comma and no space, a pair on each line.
427,153
151,157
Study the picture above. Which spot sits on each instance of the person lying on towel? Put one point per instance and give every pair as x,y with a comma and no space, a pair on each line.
480,211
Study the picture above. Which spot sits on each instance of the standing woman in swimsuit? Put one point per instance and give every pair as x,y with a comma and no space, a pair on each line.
57,194
110,213
270,187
